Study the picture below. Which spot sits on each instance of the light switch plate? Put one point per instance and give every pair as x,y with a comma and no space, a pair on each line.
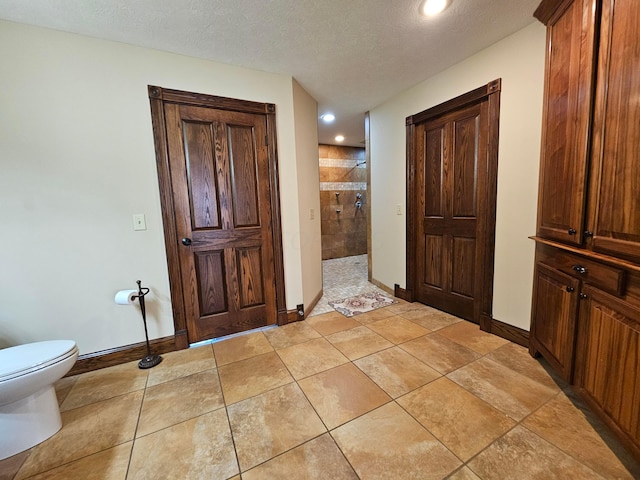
398,209
139,223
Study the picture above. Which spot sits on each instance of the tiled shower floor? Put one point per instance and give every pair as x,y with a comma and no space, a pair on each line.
343,278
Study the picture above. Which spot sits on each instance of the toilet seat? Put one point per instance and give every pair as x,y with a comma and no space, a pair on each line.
25,359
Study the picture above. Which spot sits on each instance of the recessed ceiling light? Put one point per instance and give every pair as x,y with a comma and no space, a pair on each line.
339,138
433,7
328,117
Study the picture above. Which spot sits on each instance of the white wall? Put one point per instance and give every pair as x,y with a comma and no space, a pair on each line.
77,160
519,61
306,127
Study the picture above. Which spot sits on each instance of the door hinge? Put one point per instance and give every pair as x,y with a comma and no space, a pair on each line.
266,140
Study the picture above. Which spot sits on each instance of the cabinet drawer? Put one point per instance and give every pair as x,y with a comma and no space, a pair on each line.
607,278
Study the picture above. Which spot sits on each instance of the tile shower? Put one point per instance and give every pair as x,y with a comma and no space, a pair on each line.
343,201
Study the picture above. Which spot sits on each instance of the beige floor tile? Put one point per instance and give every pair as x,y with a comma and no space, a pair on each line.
291,334
110,464
272,423
461,421
469,335
503,388
430,318
85,431
517,358
358,342
10,466
342,394
333,322
579,433
395,371
397,329
311,357
522,455
439,352
244,379
105,383
182,363
63,387
179,400
318,459
389,443
200,448
241,348
374,316
404,307
463,474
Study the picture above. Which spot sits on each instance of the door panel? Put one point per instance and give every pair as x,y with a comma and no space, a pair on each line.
450,153
203,182
218,160
617,224
567,115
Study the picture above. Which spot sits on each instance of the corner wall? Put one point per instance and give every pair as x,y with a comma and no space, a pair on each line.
77,160
519,61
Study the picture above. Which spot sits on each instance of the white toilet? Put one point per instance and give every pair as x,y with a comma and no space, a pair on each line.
29,412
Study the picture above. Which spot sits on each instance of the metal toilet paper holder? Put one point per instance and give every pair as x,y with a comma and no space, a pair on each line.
150,360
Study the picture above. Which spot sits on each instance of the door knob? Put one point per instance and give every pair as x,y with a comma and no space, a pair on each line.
186,241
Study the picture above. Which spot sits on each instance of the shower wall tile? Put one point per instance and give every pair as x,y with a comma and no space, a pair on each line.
343,171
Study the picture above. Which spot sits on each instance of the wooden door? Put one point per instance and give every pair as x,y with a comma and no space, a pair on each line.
554,314
615,191
453,199
222,206
566,122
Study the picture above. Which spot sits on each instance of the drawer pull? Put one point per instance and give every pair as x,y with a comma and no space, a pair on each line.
569,289
580,269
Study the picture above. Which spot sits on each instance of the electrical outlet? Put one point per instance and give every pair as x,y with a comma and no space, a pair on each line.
398,209
312,214
139,223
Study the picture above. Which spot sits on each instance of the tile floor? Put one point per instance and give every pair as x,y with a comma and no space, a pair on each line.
343,278
401,392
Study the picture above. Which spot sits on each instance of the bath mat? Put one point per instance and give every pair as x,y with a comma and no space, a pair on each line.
362,303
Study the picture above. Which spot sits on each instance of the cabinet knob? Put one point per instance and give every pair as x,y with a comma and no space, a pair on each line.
572,231
588,234
580,269
583,296
569,289
186,242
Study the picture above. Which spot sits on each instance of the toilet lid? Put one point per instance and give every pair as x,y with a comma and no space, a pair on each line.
18,360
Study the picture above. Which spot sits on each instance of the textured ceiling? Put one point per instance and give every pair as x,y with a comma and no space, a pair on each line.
351,55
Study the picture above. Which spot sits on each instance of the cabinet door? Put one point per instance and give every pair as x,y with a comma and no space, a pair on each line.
553,324
566,122
616,187
608,359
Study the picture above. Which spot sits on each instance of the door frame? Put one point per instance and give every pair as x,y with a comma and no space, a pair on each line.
483,306
158,96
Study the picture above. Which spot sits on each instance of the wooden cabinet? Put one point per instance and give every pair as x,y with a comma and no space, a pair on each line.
586,298
608,372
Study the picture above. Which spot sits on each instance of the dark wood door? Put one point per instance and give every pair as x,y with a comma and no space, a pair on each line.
566,122
616,174
451,194
218,179
555,311
219,171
